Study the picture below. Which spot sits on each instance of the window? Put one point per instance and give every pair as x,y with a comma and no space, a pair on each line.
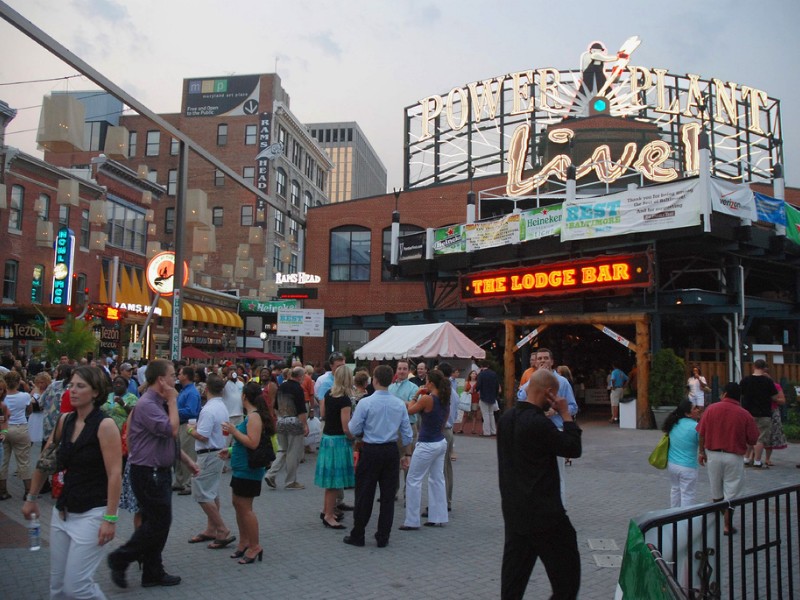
280,182
279,222
219,178
93,134
152,175
126,227
309,168
250,135
79,295
172,182
15,208
247,215
350,134
293,264
276,258
132,144
84,238
169,220
295,193
320,179
350,254
386,255
306,202
63,215
153,143
297,153
222,134
293,228
44,207
216,216
10,275
249,174
283,138
174,147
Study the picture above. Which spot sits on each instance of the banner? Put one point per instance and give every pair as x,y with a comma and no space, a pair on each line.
770,210
490,234
449,240
658,208
411,246
541,222
735,199
792,223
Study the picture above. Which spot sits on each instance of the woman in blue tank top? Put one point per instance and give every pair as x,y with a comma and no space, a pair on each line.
428,458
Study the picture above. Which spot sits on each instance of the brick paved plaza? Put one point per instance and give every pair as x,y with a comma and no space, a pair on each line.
610,484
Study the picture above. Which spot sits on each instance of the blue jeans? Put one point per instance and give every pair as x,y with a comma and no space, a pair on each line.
153,490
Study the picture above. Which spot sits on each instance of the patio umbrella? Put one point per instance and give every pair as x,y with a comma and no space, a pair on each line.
194,353
259,355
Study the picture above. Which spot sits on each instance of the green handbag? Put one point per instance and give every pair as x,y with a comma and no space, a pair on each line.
658,457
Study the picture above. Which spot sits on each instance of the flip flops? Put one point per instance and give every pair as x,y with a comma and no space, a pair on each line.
201,537
220,544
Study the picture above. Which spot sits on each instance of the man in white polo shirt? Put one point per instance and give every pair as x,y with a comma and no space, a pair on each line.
209,440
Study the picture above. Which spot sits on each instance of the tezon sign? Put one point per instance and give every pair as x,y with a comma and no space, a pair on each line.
498,125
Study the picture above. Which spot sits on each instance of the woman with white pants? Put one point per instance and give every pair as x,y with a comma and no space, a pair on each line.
429,453
85,516
682,464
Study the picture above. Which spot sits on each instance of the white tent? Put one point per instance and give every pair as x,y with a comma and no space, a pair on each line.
434,340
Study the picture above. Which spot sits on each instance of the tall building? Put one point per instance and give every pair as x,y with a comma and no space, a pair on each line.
357,171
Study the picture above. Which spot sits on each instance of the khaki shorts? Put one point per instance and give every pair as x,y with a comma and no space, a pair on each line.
764,428
205,487
725,474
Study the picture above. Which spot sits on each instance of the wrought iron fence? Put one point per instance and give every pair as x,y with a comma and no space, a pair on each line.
760,559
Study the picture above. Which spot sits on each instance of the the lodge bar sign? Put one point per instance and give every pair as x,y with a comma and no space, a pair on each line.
575,276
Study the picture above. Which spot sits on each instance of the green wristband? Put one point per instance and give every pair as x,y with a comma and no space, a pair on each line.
111,518
3,430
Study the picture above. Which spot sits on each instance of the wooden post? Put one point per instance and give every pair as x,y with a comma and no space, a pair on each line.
642,372
508,365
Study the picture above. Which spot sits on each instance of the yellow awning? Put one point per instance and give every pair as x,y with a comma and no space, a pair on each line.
215,315
237,320
165,306
189,313
202,314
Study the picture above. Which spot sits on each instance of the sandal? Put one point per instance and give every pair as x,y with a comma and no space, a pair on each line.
201,537
5,496
220,544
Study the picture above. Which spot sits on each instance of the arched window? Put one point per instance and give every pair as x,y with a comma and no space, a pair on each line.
350,253
295,193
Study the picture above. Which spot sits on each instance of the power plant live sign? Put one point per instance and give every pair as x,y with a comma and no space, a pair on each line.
301,322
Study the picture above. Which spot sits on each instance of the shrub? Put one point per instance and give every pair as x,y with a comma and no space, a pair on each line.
667,383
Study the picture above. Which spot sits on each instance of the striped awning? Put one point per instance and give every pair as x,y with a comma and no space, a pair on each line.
203,314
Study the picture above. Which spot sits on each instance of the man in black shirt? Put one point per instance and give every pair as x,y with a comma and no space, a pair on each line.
292,427
758,394
536,524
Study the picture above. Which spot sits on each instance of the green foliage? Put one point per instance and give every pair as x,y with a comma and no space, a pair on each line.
75,339
667,384
791,428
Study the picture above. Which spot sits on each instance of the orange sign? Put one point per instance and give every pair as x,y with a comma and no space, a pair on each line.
559,278
161,273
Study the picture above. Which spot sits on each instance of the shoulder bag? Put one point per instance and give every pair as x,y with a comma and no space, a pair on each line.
48,461
658,457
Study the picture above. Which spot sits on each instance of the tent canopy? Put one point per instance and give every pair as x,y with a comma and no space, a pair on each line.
433,340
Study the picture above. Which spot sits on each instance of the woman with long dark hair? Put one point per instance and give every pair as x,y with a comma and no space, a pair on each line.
428,458
85,516
246,481
682,464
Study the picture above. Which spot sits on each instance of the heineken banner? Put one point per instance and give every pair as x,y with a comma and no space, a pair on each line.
540,223
654,208
733,199
489,234
449,240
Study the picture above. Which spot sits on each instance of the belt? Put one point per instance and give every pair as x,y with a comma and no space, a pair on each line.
394,443
207,450
153,469
723,451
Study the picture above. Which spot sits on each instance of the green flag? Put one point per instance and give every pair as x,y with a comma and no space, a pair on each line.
640,576
792,223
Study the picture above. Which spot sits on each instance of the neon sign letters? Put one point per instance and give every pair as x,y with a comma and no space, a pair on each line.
62,267
559,278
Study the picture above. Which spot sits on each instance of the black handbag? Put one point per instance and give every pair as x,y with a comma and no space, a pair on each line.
263,455
48,461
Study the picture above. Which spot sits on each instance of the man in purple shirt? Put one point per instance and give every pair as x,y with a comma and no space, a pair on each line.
152,449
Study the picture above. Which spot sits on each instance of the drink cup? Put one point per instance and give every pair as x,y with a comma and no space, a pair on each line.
192,422
224,431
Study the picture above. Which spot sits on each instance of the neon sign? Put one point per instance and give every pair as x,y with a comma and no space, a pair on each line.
559,278
487,127
62,267
300,278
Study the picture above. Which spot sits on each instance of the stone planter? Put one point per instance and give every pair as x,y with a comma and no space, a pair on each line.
660,413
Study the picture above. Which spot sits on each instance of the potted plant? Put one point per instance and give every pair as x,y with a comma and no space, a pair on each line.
667,384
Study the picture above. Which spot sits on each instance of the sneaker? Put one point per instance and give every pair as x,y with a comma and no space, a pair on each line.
295,486
270,481
758,465
165,580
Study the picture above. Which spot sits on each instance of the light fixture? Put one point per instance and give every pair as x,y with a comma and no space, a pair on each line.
679,301
61,124
116,145
97,212
147,198
263,335
44,234
68,192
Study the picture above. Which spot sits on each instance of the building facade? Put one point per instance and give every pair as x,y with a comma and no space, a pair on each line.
358,171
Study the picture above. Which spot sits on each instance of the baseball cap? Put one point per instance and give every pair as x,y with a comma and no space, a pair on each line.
126,367
234,375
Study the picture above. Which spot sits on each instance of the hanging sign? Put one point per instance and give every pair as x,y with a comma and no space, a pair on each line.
161,273
62,267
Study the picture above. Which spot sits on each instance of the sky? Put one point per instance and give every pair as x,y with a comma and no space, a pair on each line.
366,60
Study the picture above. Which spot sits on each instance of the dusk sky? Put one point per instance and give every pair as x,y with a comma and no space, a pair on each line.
366,61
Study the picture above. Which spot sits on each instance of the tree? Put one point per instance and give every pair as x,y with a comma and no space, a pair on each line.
667,385
75,339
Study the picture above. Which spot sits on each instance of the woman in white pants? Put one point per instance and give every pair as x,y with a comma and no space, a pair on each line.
682,464
428,457
85,516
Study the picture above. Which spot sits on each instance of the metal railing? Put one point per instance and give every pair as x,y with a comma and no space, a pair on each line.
760,560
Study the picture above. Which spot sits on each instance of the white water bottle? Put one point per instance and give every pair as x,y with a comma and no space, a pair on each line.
34,532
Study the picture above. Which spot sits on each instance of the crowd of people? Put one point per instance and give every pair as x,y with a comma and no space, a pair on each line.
130,436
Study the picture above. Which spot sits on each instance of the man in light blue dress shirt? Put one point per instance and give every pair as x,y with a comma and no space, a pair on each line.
378,418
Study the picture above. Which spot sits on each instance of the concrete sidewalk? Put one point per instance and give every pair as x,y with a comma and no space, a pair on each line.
608,486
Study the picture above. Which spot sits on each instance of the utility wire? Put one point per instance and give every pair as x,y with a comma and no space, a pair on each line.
41,80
